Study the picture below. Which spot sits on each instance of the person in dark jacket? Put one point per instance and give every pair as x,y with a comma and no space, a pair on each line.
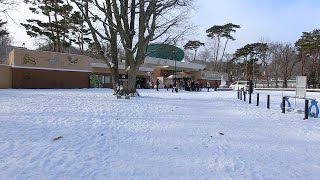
157,83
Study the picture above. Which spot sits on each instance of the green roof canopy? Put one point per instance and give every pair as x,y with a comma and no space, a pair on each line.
165,51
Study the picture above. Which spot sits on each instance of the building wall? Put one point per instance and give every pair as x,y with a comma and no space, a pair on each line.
46,59
156,74
5,77
44,69
36,78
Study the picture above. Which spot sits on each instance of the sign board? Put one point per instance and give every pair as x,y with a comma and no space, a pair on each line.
301,84
213,75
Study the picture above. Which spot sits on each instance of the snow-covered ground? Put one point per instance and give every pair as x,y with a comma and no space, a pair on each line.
159,135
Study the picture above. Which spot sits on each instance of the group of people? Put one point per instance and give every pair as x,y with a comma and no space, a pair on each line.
198,85
189,85
152,84
215,85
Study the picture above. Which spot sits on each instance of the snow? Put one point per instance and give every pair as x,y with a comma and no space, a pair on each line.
159,135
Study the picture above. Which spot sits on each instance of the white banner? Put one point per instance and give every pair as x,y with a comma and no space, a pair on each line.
301,86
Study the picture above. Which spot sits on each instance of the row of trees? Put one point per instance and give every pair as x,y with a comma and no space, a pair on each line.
216,33
279,61
261,61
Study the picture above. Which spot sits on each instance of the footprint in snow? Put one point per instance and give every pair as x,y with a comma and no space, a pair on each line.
57,138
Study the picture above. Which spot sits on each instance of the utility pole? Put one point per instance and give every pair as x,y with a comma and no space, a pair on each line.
175,65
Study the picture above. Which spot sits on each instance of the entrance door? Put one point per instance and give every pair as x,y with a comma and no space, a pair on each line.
95,81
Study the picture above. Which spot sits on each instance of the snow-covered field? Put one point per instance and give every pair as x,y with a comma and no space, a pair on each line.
89,134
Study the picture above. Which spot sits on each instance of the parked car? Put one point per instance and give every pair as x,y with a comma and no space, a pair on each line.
240,84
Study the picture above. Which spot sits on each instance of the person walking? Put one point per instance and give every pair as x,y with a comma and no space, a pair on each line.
157,83
208,85
174,86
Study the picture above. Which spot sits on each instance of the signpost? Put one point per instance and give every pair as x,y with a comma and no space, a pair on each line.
301,84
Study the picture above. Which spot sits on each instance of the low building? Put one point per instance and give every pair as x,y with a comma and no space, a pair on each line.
25,68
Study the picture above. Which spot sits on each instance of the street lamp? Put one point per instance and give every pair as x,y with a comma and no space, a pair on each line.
246,63
175,70
254,60
175,65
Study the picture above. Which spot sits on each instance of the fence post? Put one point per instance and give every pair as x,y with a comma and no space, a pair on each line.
240,94
250,98
306,109
257,99
283,105
244,96
268,101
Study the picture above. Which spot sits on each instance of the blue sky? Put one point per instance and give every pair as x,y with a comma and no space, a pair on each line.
273,20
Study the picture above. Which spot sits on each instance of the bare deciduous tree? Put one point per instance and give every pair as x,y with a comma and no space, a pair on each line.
284,59
206,55
135,23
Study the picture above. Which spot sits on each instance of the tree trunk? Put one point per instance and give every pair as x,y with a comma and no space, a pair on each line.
217,53
132,77
285,82
266,74
115,78
302,63
56,23
246,66
224,50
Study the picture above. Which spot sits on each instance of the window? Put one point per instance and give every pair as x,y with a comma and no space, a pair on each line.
106,79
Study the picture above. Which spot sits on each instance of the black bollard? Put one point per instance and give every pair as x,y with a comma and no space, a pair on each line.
283,105
244,96
268,101
240,94
250,98
257,99
306,109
